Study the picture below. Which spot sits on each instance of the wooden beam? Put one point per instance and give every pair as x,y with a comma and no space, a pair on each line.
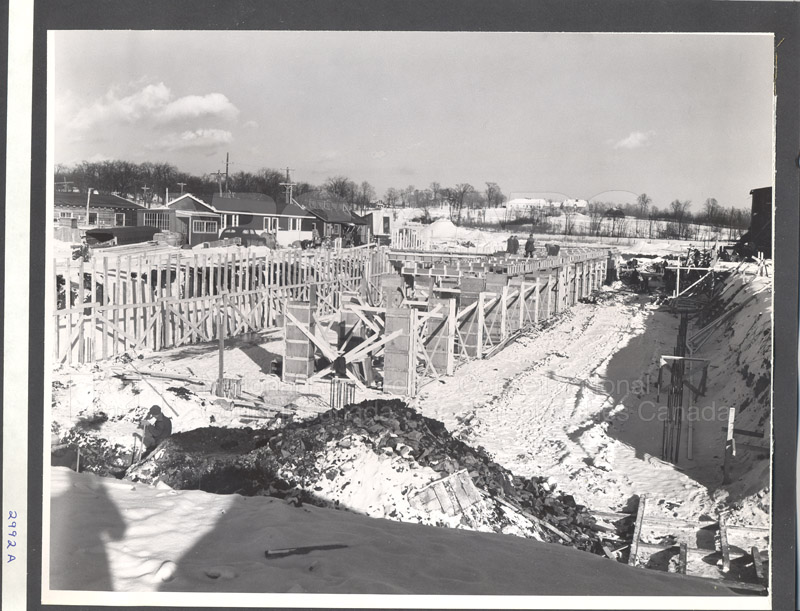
758,564
682,559
724,547
637,530
326,350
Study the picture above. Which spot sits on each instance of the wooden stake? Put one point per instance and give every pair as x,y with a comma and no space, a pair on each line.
723,544
758,564
730,448
637,530
221,333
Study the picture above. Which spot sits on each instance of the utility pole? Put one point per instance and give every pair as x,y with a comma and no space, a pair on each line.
288,186
219,180
181,185
227,160
144,196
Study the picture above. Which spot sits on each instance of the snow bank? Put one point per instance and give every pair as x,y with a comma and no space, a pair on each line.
112,535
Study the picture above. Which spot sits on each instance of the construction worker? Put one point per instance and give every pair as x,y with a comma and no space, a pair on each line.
529,246
157,427
512,245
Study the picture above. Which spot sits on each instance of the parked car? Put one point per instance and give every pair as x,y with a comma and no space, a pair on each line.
246,235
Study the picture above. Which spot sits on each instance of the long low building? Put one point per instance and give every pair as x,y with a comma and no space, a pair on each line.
104,210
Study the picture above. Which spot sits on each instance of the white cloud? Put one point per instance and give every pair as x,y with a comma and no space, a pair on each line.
154,103
635,140
192,139
128,109
194,106
251,124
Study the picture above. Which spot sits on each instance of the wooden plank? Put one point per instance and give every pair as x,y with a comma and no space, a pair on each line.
127,295
724,547
758,564
682,559
481,323
637,530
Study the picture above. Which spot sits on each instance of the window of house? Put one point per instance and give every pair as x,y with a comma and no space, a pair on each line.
386,224
65,214
159,220
93,218
294,224
204,226
270,223
119,219
233,220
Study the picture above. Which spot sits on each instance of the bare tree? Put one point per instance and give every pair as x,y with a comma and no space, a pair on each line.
435,188
391,196
680,213
596,210
643,202
341,186
569,220
711,211
457,197
494,195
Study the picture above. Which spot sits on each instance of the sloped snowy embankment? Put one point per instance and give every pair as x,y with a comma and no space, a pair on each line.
115,535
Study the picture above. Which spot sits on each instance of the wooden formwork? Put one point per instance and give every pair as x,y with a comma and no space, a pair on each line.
115,303
298,360
399,375
425,338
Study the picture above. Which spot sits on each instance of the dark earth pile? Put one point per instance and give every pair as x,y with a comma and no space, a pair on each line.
256,462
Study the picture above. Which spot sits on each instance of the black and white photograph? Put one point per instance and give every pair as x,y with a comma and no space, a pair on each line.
409,318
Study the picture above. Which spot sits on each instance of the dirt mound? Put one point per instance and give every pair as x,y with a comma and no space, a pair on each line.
324,460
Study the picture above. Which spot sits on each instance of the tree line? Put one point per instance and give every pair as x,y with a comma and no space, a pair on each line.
149,182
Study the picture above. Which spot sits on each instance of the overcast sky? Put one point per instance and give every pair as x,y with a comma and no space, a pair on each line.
675,116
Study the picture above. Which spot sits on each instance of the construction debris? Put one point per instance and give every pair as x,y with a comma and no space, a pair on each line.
303,456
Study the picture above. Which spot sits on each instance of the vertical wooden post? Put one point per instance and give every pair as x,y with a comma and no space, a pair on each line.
730,448
503,313
682,558
481,317
536,302
106,299
637,530
221,340
451,336
522,304
93,322
723,544
82,316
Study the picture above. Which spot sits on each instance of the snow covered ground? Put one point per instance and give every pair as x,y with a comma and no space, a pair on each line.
130,537
571,403
442,234
568,401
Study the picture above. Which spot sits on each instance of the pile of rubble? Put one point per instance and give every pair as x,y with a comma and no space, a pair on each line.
313,461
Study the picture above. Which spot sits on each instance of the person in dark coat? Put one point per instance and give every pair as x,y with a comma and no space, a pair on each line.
529,246
512,245
157,427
